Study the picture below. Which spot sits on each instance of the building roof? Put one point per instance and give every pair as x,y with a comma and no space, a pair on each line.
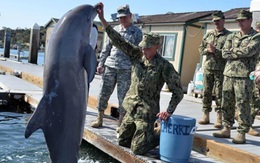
52,20
186,17
175,17
171,17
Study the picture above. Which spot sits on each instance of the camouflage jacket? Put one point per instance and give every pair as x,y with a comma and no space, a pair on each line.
214,61
115,58
241,53
148,78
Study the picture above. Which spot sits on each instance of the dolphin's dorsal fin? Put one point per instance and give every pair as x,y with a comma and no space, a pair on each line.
37,119
90,62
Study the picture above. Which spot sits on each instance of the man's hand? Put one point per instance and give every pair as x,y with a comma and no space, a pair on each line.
211,48
100,11
163,115
99,69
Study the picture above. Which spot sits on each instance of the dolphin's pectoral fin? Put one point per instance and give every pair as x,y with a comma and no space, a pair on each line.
90,63
37,119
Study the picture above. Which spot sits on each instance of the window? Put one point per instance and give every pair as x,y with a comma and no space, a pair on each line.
168,46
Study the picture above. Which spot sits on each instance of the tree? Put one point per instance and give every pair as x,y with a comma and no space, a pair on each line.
22,36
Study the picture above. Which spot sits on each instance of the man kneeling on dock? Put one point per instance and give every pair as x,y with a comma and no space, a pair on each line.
149,73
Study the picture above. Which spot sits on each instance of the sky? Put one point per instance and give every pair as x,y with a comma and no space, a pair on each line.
24,14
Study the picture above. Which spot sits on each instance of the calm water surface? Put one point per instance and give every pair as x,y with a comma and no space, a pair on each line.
40,59
14,148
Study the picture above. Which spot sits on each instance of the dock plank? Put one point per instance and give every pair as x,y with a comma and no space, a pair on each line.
108,143
13,84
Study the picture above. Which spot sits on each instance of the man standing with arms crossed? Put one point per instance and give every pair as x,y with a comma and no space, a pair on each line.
240,50
116,65
211,48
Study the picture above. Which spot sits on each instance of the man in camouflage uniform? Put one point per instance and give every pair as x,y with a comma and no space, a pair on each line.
213,67
255,104
240,50
116,65
256,95
149,73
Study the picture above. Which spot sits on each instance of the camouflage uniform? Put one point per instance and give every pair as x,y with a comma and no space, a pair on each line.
142,99
117,68
255,104
213,68
240,53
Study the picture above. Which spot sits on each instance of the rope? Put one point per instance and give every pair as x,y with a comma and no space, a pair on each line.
195,34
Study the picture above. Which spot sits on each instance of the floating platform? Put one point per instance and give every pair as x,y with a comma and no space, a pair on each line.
206,148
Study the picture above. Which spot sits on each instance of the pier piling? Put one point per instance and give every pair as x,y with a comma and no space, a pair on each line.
7,42
34,44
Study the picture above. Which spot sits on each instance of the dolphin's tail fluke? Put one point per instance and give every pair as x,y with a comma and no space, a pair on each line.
37,119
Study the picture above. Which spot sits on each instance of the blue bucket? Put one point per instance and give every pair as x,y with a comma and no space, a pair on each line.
176,138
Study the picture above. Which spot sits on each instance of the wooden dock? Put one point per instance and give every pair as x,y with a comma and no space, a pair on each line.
206,148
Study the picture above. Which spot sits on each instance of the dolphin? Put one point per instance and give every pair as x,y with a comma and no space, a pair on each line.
70,65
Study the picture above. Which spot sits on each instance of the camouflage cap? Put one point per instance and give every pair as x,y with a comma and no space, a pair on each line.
244,14
150,39
218,15
123,11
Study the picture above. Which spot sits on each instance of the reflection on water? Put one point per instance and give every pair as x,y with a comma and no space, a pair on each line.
91,154
14,148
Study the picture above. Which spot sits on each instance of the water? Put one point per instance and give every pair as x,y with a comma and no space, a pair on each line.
14,148
25,54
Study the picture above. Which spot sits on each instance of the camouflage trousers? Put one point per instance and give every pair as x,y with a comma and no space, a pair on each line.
110,78
210,79
137,131
237,92
255,103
